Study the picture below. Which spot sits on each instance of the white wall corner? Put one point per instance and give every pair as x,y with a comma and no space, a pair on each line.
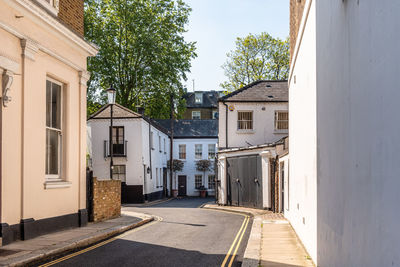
29,48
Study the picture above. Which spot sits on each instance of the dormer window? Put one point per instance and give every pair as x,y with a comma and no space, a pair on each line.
198,98
50,5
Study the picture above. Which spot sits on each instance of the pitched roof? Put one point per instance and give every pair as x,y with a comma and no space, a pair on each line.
192,128
119,112
210,99
260,91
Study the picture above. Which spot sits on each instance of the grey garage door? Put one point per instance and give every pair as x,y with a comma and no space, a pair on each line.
244,183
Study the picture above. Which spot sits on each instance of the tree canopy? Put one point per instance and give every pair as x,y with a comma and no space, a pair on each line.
142,53
256,57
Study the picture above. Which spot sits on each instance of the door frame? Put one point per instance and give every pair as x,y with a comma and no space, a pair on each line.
180,187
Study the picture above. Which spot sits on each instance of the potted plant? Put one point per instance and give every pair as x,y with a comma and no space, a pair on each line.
177,166
203,191
203,165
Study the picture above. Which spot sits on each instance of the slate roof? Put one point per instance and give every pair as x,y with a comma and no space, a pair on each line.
210,99
192,128
260,91
121,112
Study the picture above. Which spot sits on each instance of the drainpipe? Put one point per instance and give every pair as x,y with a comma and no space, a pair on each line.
171,143
150,144
226,124
1,158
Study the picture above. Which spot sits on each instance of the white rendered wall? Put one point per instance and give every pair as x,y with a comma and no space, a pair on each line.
136,133
189,168
302,212
358,129
263,124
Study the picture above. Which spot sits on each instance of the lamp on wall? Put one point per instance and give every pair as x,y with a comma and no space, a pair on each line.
111,92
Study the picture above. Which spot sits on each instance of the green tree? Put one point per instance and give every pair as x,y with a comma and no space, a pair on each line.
256,57
142,52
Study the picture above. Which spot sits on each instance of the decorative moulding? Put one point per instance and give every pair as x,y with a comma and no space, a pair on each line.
53,185
84,77
29,48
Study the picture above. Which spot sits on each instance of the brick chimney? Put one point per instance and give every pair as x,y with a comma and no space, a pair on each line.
296,13
71,13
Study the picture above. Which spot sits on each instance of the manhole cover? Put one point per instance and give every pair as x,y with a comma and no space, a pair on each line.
8,252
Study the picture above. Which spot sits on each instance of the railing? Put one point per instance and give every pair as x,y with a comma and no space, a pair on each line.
119,150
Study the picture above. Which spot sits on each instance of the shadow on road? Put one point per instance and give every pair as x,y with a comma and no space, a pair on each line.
131,253
184,202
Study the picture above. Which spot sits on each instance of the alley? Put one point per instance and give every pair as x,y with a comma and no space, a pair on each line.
184,235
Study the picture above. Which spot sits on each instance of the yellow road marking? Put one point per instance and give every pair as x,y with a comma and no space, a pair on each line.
158,219
234,241
238,243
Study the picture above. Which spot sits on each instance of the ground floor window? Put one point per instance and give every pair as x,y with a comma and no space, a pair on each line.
198,181
119,173
211,181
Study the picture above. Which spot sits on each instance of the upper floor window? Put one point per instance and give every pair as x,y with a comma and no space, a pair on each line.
159,144
118,140
182,151
53,129
281,120
196,115
151,140
198,151
198,98
215,115
211,151
165,147
245,120
51,5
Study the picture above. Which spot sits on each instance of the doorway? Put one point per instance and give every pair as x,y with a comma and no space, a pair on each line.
181,185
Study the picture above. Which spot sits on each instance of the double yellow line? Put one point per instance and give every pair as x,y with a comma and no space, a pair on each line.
236,243
157,219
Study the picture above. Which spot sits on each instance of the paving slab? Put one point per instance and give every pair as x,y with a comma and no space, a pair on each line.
272,241
22,253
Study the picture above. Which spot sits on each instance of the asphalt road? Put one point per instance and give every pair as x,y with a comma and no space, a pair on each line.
186,236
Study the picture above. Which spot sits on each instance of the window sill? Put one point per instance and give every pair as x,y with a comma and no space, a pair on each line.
245,131
52,185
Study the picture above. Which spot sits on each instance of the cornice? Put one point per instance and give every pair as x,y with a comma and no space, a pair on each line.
52,22
8,64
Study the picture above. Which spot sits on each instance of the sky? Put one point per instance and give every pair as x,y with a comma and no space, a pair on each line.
215,25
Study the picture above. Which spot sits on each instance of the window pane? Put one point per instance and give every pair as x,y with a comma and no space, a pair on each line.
48,103
52,152
198,181
211,181
56,106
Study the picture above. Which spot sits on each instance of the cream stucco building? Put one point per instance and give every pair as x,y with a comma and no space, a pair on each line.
42,117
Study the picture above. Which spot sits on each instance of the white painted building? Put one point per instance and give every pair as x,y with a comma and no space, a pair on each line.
140,154
194,140
252,120
344,128
253,115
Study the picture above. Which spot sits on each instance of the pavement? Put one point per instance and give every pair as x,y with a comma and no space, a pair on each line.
183,234
30,252
272,241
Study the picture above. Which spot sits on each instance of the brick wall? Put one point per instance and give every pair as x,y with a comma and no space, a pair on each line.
106,199
71,13
296,13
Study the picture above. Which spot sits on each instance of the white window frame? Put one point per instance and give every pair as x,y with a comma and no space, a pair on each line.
213,182
179,151
251,121
198,100
159,144
52,5
214,151
57,177
195,181
277,120
197,116
213,114
198,155
165,147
